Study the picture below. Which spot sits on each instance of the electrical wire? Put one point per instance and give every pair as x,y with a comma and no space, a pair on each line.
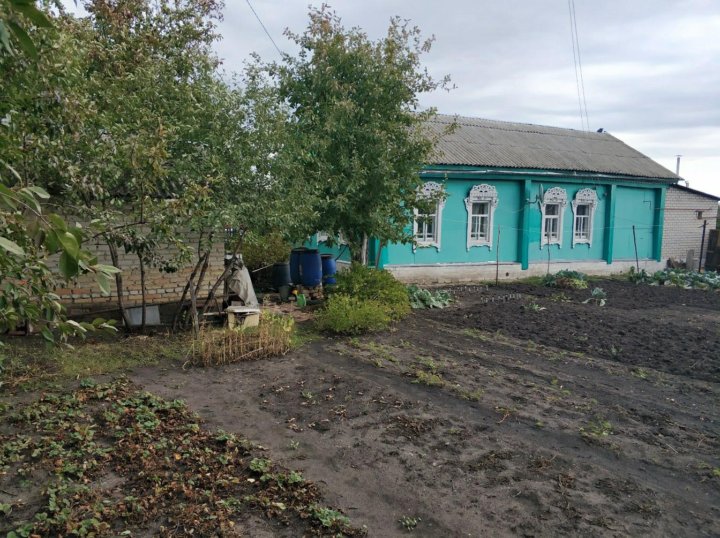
263,27
577,62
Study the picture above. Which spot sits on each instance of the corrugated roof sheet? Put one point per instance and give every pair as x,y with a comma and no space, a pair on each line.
480,142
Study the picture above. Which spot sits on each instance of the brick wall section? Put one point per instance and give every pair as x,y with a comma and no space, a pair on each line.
83,294
682,228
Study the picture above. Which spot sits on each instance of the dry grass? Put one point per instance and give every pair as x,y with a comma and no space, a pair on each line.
272,337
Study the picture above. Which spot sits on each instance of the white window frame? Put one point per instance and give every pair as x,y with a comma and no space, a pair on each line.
322,237
428,190
481,194
584,197
554,196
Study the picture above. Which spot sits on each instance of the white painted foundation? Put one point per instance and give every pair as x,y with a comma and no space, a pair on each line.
477,272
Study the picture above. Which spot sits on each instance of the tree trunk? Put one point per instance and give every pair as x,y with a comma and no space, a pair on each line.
178,310
222,278
118,284
379,253
194,312
364,250
143,292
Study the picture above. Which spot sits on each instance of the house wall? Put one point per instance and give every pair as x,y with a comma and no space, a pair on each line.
83,295
620,206
683,229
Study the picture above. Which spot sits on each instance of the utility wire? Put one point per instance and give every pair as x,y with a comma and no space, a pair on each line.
263,27
579,57
577,62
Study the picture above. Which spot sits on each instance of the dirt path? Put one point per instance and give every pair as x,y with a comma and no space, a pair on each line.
474,433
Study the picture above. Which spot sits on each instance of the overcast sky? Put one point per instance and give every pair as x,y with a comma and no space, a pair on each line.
651,67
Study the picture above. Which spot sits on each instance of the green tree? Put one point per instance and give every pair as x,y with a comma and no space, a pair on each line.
357,125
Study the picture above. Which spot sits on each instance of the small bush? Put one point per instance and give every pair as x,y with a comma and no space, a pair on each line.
569,280
368,284
422,298
273,336
345,314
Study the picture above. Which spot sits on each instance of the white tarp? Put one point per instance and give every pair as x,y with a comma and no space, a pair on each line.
239,284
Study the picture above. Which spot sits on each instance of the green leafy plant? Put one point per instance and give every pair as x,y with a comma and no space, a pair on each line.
344,314
367,283
409,523
681,278
597,296
423,298
599,427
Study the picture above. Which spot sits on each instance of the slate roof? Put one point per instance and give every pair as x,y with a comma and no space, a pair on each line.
480,142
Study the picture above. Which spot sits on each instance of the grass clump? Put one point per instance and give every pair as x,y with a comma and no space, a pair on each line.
363,300
273,336
565,279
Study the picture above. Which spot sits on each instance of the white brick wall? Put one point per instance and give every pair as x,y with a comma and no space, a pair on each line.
682,228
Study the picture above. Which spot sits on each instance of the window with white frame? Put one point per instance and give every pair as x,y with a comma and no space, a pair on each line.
480,205
427,226
584,206
552,208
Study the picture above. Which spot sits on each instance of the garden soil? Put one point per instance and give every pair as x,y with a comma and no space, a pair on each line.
519,410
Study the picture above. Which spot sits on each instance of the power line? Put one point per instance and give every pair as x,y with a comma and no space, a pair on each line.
263,27
577,62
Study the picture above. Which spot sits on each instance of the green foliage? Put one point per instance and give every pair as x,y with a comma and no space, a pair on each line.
709,280
345,314
260,250
597,296
14,18
28,238
423,298
380,286
566,279
357,130
409,523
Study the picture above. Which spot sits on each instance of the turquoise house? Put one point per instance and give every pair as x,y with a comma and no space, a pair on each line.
523,199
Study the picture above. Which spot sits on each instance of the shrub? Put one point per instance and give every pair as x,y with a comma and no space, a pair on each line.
271,337
380,286
422,298
261,250
565,279
345,314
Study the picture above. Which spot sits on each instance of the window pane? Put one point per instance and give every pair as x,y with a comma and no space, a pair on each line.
480,208
551,209
484,227
474,227
583,209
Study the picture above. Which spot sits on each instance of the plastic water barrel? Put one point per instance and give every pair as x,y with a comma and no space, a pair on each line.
281,275
295,264
310,268
329,268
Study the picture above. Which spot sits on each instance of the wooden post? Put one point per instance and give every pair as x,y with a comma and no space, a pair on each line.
497,258
702,247
637,261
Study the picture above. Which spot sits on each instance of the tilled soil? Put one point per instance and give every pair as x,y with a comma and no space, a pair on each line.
493,417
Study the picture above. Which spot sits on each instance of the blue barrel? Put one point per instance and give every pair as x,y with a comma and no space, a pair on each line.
310,268
295,264
281,275
329,268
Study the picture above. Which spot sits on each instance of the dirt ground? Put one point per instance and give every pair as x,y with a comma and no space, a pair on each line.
517,410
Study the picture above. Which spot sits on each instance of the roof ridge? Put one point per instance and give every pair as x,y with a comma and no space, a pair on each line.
500,123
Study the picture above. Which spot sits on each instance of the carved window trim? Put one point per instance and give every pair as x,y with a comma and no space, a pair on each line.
430,189
584,197
482,193
554,196
322,237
